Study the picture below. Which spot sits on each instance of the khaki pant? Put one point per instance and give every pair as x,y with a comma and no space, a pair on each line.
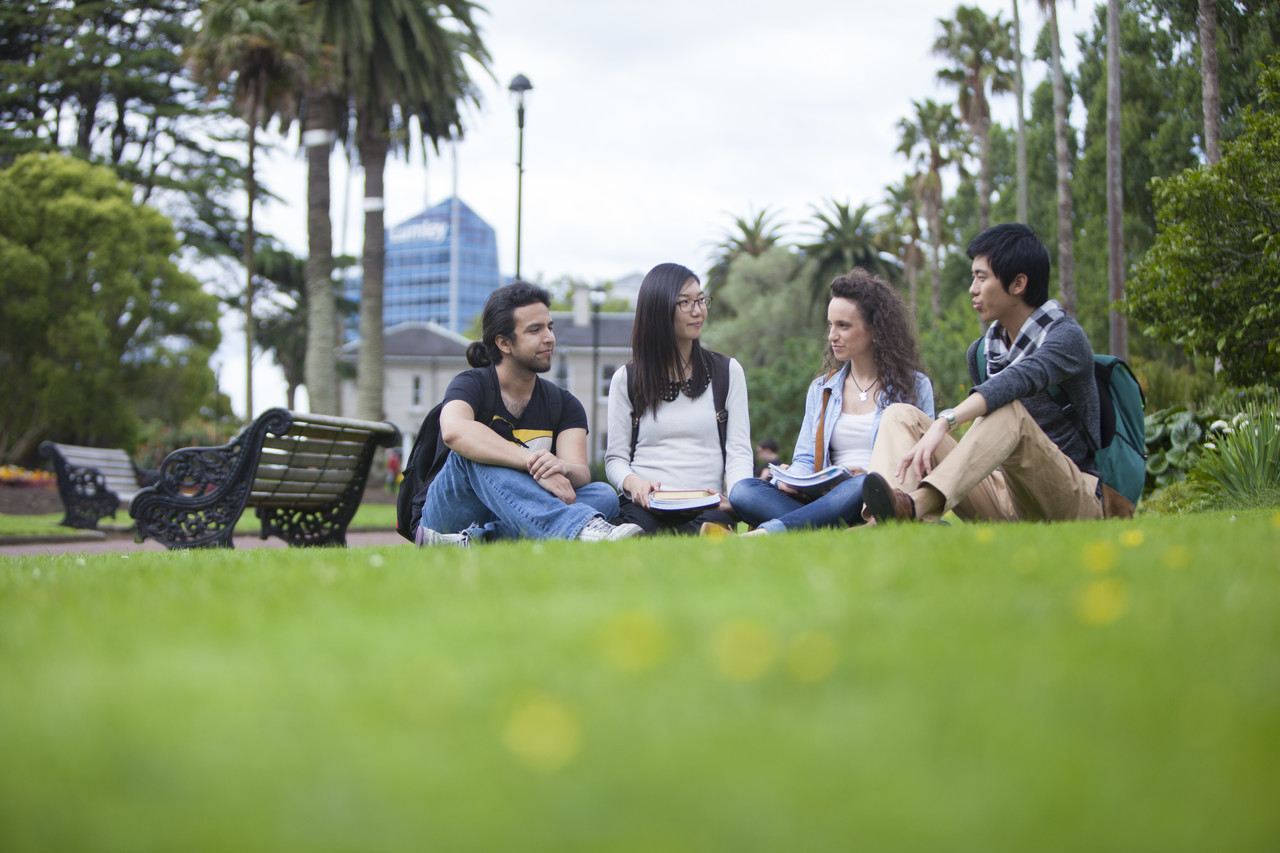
1004,469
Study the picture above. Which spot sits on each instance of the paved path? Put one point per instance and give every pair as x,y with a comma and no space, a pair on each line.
116,543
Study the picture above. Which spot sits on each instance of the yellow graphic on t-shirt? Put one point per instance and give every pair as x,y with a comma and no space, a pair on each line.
533,439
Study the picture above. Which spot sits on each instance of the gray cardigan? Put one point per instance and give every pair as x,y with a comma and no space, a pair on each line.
1064,359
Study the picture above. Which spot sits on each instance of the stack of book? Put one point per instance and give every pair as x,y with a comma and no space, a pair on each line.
683,501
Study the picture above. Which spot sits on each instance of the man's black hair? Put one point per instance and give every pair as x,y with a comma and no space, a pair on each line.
499,319
1013,248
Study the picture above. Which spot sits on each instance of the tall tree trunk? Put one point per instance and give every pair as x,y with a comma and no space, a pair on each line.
369,365
935,270
251,185
984,174
1023,203
1066,260
321,367
1115,190
1209,80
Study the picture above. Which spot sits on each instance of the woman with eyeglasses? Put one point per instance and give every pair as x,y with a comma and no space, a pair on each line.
871,361
669,429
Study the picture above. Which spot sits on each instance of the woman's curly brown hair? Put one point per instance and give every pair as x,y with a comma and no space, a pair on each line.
893,333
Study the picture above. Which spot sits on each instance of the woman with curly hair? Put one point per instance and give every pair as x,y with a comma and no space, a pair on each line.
871,361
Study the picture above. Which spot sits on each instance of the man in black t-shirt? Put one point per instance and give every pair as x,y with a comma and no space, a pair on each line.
523,473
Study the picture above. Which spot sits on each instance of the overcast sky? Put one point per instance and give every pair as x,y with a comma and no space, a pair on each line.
650,127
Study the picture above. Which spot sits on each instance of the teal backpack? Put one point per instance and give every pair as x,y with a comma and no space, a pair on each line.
1121,459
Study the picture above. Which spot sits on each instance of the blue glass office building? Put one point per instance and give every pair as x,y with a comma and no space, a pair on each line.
416,281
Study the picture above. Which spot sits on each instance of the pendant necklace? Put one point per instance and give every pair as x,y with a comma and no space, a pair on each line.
862,392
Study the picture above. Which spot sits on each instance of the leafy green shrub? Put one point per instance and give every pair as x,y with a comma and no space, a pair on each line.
1191,386
1243,461
1173,443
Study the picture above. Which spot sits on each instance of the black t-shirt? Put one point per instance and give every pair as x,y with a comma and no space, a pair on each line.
533,429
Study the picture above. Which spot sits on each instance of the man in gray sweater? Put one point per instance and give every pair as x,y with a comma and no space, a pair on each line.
1025,457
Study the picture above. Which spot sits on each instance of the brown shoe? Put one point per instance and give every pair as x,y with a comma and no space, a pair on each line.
885,502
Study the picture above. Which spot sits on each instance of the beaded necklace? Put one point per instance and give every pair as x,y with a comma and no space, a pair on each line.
670,389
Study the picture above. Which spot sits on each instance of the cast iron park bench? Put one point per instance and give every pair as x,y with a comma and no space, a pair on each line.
303,473
92,481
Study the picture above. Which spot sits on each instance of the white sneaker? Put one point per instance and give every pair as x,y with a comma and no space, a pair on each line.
599,530
425,537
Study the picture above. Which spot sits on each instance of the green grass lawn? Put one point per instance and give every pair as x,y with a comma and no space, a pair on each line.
1082,686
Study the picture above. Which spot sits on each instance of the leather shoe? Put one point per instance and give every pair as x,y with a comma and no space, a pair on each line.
885,502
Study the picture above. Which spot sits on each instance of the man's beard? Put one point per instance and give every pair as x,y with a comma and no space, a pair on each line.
533,365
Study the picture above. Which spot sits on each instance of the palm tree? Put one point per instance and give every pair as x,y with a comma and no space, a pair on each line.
935,141
846,239
981,50
261,47
322,106
750,235
1066,251
402,62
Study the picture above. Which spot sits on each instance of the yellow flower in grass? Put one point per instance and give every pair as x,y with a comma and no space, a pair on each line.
1131,538
743,650
633,641
812,657
1177,557
1099,557
1102,602
984,535
543,734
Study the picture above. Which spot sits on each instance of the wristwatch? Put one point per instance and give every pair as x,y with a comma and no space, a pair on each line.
948,415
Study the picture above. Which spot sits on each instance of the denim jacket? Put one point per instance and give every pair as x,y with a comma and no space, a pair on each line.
802,460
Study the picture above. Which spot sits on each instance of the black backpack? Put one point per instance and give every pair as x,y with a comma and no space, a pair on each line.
430,452
719,393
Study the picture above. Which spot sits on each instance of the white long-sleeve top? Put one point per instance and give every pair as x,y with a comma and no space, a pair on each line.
679,443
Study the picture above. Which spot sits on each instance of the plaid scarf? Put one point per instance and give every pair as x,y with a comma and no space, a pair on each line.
1000,355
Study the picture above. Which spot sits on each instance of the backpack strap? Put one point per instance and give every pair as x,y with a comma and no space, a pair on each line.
635,418
719,396
555,408
819,446
489,404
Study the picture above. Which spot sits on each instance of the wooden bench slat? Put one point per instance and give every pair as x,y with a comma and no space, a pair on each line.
309,460
282,473
340,448
285,487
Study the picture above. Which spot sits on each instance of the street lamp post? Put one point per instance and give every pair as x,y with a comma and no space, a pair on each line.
597,300
519,85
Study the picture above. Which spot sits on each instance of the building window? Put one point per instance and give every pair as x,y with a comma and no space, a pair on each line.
606,376
415,397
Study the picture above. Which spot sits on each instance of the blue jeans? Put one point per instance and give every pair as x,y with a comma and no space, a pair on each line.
493,502
762,504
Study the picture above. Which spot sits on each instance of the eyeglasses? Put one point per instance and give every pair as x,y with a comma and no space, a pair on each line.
686,305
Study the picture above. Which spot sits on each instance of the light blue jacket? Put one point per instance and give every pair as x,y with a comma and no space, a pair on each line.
802,460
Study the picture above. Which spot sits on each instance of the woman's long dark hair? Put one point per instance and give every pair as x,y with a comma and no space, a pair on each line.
655,357
893,334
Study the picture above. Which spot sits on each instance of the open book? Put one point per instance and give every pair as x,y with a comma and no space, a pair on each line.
815,484
682,501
